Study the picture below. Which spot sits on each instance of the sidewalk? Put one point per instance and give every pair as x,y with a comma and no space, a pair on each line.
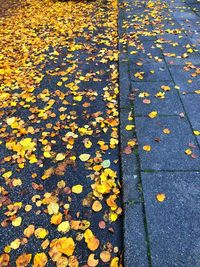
160,96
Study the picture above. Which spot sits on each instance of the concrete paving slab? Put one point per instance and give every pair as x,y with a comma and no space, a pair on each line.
192,105
134,237
170,105
167,150
173,225
150,71
184,79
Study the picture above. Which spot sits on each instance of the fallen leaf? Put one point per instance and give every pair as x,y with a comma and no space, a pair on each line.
77,189
4,259
60,156
84,157
153,114
23,260
29,231
96,206
41,233
92,262
64,227
17,222
40,260
56,218
105,256
147,148
105,164
160,197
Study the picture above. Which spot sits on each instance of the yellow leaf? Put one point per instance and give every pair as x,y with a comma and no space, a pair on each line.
147,148
78,98
196,132
188,151
143,94
113,217
10,120
130,127
84,157
7,175
150,4
33,159
160,197
166,131
17,182
165,88
47,154
28,208
64,245
53,208
15,244
64,227
153,114
17,222
60,156
77,189
41,233
27,143
114,262
40,260
59,83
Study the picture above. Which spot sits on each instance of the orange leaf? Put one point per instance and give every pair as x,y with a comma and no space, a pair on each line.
92,262
97,206
4,259
105,256
29,231
23,260
56,218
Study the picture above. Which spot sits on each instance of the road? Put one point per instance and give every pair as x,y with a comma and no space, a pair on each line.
60,180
